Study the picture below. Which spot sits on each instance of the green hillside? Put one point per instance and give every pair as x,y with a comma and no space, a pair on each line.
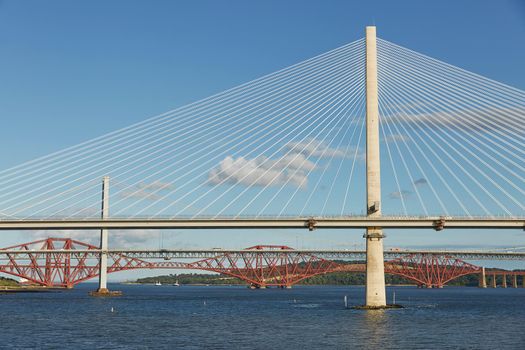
8,282
337,278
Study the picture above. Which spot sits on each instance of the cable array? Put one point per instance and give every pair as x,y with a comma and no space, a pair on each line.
239,152
456,138
292,143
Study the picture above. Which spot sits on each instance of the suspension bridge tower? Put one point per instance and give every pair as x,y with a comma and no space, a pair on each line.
375,270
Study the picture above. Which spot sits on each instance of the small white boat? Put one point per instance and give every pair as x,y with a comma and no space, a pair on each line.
176,284
158,283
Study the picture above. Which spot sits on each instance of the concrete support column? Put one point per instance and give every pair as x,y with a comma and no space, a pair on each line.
103,266
523,281
482,279
504,282
514,281
494,282
375,269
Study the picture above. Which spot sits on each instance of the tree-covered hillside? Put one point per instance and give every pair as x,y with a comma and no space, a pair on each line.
337,278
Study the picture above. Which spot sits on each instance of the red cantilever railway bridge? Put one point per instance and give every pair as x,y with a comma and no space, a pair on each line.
64,262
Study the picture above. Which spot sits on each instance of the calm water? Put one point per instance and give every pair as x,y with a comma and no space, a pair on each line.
150,317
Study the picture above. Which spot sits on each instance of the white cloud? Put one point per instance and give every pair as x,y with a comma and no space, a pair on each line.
155,185
315,148
117,238
398,195
421,182
138,193
320,149
292,168
263,171
477,119
145,190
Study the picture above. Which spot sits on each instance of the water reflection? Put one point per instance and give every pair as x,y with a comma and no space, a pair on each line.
376,323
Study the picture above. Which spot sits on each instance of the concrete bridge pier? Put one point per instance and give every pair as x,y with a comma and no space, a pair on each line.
375,270
514,281
523,281
494,282
504,282
482,279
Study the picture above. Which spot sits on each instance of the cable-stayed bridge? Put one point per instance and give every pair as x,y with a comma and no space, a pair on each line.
293,144
300,148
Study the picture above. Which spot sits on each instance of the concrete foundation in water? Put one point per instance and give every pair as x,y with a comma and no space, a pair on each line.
105,293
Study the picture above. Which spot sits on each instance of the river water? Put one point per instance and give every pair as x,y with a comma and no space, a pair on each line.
221,317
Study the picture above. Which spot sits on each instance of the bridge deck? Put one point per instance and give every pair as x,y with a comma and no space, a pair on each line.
437,223
325,254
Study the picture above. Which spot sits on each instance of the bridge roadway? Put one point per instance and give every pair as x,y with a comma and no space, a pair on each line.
311,223
168,254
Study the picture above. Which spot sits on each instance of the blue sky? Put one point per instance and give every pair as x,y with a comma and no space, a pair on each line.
94,66
71,71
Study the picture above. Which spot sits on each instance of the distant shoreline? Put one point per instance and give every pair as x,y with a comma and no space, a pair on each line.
245,285
28,289
332,279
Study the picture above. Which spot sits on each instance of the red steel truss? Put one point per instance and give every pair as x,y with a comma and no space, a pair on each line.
259,266
260,270
428,270
61,270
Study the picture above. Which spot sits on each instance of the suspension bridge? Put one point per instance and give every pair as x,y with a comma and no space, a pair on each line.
294,150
